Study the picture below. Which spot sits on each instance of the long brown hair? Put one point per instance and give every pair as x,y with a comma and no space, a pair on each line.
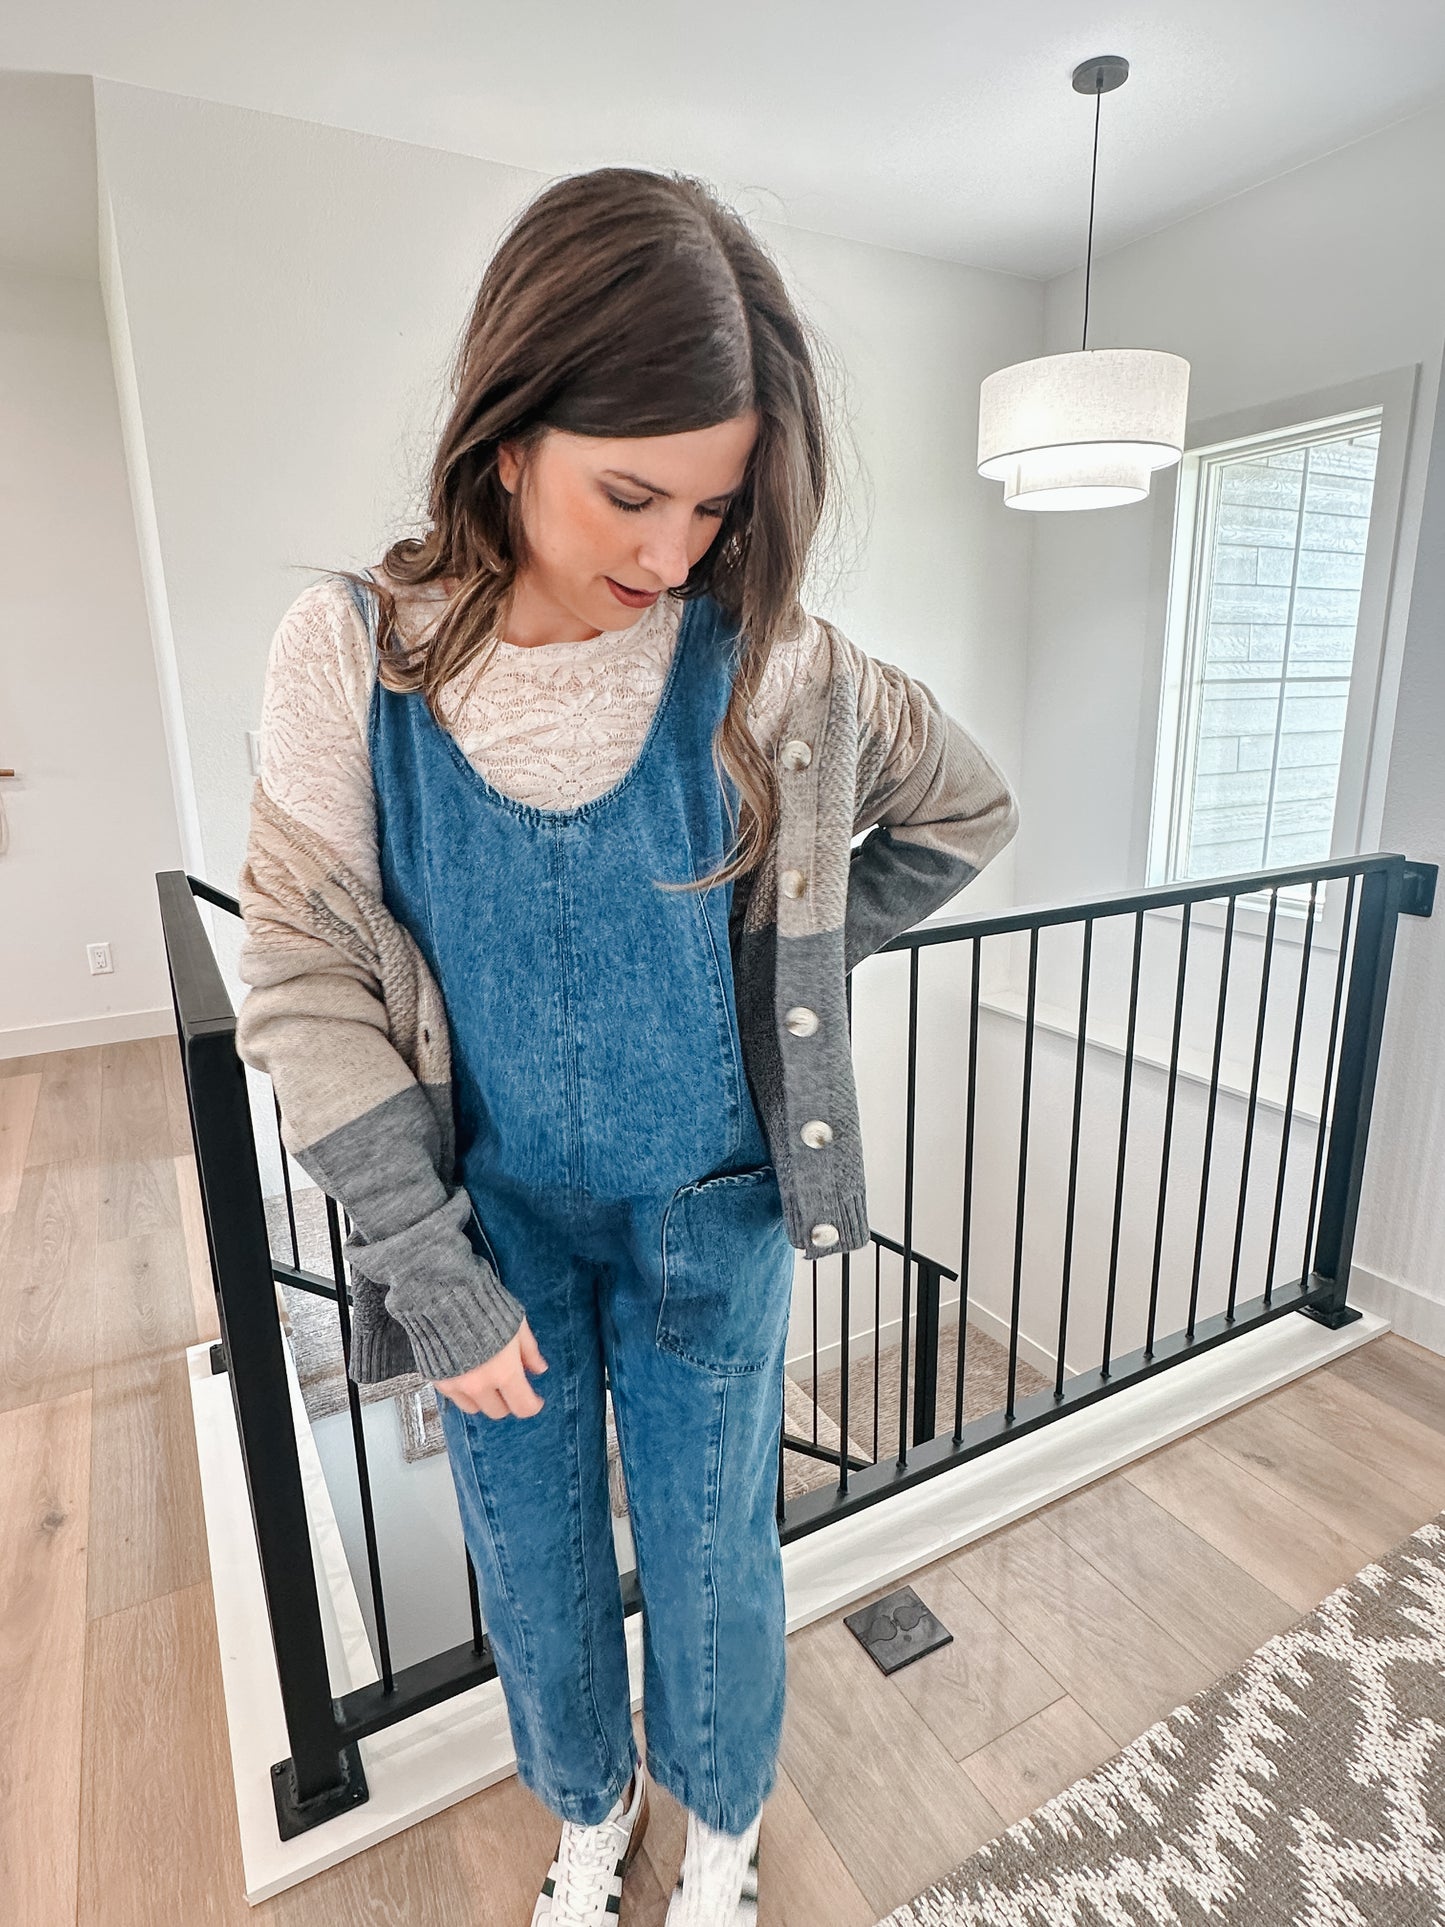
626,302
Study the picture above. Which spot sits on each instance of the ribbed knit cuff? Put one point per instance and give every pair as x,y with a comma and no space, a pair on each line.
447,1299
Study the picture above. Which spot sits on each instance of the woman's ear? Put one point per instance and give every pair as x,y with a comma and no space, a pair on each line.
508,466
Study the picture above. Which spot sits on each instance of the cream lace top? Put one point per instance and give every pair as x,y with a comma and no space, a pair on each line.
553,726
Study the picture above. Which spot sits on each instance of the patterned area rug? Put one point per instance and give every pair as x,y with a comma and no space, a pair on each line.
1305,1790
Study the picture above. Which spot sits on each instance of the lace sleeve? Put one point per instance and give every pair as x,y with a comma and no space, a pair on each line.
314,758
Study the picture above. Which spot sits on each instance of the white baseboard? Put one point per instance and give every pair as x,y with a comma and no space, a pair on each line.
428,1762
1407,1311
80,1033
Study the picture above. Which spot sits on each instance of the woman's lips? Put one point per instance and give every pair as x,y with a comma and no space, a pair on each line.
634,598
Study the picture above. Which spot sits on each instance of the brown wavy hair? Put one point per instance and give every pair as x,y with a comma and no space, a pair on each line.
625,302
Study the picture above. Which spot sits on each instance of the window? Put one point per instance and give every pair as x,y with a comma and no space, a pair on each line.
1281,549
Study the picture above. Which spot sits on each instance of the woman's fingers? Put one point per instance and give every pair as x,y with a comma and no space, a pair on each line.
527,1344
521,1397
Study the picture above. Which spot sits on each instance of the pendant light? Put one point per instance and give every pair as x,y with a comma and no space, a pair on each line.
1083,430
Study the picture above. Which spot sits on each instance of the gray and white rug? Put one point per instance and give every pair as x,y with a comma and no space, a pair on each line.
1305,1790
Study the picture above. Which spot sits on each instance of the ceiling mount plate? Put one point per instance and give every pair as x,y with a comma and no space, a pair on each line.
1101,75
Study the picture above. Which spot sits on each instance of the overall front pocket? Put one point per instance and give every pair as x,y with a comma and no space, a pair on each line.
727,1272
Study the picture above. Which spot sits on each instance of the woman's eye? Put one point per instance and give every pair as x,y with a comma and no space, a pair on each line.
633,508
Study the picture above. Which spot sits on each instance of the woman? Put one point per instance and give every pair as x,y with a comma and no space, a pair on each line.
550,900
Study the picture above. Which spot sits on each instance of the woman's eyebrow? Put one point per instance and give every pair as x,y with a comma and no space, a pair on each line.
623,475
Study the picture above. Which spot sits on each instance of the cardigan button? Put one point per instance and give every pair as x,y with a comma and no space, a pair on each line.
792,883
796,754
816,1133
824,1234
801,1021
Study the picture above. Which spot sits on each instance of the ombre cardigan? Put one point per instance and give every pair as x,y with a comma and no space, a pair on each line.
344,1016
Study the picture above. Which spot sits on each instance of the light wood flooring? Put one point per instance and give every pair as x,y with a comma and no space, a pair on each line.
1073,1629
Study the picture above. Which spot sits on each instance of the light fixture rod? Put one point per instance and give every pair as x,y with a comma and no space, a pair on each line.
1098,77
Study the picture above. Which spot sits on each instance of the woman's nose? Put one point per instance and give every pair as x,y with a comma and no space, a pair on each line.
664,555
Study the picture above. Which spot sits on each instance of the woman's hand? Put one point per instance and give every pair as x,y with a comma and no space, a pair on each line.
498,1386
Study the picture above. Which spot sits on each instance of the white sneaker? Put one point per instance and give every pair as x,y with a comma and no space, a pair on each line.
718,1884
583,1887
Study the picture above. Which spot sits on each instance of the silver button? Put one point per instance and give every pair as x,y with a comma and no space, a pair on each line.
792,883
796,754
815,1133
824,1234
801,1021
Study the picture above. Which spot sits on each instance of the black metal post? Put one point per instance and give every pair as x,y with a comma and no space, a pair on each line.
925,1349
1380,897
323,1775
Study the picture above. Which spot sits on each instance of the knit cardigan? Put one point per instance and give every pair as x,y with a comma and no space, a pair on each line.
344,1016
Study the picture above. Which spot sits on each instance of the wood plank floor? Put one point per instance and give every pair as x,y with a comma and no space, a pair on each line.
1073,1629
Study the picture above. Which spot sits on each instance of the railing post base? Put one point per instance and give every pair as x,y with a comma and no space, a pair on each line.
1331,1316
295,1816
218,1359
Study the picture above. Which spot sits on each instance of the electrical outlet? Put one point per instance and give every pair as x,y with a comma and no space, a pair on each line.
99,956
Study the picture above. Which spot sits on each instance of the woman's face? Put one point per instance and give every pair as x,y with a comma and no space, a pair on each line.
638,511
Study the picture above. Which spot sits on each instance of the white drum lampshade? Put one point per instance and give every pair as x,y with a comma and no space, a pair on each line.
1082,430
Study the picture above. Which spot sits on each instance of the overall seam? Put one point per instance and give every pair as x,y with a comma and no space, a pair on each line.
725,1025
575,1147
714,1487
579,1512
499,1547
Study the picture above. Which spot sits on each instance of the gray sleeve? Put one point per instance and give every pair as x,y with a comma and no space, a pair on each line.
412,1235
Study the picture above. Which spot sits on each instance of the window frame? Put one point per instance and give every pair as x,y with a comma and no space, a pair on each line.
1179,562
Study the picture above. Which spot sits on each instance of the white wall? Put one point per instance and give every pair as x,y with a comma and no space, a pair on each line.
1327,274
90,814
292,294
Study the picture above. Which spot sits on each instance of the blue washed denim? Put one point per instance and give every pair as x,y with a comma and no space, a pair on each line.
622,1189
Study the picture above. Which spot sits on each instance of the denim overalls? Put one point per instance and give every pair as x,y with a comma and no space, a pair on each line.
622,1189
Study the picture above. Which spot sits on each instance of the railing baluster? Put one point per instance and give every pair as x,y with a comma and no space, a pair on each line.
479,1637
358,1441
1209,1118
877,1342
965,1239
1080,1052
1013,1323
814,1267
1284,1141
286,1183
1168,1131
844,1386
910,1115
1123,1142
1253,1099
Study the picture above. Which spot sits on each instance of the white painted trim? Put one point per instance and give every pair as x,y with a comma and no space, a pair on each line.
425,1764
84,1033
1406,1308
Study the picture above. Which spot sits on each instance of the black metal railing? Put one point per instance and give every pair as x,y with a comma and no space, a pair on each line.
323,1774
